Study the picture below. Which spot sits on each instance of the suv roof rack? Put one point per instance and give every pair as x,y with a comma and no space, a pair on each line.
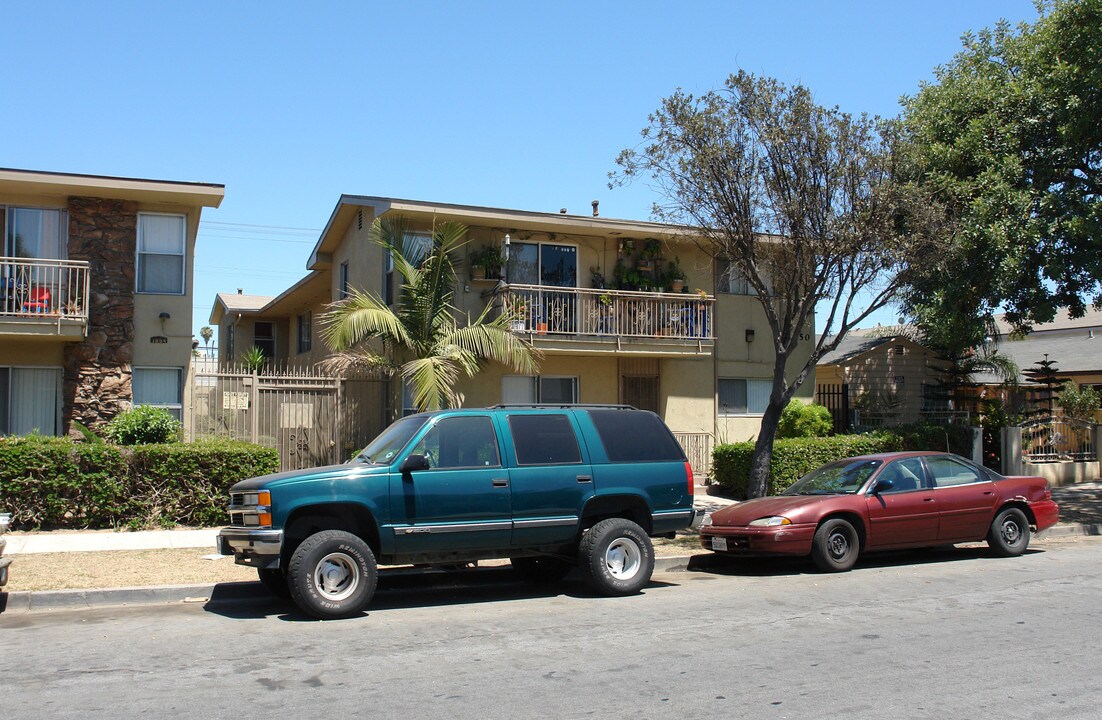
603,406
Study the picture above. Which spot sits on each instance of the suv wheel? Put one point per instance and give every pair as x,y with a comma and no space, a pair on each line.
332,575
616,557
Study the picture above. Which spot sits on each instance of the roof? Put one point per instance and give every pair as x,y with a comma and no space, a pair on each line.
1080,353
106,186
349,205
853,346
225,303
1063,322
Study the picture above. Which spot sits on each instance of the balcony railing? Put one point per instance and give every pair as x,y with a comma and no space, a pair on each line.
38,291
546,310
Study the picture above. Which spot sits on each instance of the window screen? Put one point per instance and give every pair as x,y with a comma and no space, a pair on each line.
544,440
631,436
161,246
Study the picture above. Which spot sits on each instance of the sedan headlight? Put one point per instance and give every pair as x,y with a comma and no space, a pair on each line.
707,520
770,521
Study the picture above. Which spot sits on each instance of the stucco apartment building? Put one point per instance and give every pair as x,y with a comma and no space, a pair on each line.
699,356
96,279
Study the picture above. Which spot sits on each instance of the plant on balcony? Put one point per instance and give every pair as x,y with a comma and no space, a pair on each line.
675,276
596,278
487,261
422,340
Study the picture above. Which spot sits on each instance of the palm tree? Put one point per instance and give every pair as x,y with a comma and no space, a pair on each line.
422,339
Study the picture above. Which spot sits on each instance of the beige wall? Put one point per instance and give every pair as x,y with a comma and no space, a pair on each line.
875,373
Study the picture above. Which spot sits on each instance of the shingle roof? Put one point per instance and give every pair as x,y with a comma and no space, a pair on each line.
236,302
1071,353
853,345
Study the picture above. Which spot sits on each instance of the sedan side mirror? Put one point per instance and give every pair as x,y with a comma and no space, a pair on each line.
883,486
414,462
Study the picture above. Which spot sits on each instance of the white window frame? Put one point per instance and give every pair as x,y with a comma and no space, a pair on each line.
139,252
179,405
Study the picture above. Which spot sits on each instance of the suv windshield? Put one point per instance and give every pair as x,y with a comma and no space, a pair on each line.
389,442
842,476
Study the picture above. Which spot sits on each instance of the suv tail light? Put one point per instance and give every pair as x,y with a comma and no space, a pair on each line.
689,477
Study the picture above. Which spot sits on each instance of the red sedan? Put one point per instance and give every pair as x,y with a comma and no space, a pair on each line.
885,502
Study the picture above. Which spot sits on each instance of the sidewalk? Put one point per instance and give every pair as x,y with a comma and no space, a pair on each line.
1080,512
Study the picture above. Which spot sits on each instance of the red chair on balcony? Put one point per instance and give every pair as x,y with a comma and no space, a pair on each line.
38,300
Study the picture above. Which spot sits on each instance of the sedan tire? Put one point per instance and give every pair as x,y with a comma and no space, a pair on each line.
1009,533
836,546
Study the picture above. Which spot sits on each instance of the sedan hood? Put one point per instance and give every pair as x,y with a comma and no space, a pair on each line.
793,507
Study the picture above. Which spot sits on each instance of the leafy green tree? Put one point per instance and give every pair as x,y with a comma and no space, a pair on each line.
1008,141
800,199
1080,403
421,338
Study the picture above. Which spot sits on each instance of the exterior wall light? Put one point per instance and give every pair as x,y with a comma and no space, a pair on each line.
749,335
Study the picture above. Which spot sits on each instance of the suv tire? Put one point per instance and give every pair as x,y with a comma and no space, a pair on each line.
332,575
616,557
275,582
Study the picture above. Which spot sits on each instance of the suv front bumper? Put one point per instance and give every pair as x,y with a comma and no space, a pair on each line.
255,547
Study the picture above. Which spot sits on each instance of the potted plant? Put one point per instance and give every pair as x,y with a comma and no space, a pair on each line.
596,278
520,313
675,276
486,262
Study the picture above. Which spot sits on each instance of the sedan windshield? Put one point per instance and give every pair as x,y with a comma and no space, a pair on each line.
390,442
842,476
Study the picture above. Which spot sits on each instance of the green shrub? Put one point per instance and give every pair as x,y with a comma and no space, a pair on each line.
799,419
143,425
792,459
57,483
795,457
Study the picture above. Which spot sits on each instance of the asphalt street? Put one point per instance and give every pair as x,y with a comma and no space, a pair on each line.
945,634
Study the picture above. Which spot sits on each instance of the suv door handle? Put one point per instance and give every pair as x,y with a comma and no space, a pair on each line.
584,478
500,482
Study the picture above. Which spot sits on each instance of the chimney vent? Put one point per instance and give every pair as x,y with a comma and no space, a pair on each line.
595,203
240,290
562,211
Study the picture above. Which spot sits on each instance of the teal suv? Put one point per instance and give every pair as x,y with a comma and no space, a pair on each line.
548,487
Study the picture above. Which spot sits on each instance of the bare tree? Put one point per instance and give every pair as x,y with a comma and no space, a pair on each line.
804,200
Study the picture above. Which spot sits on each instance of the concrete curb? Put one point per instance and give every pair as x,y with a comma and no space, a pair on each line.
241,592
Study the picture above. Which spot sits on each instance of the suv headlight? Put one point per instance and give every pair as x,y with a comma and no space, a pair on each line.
770,521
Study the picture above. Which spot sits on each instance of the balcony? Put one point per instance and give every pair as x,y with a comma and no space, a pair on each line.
43,298
588,320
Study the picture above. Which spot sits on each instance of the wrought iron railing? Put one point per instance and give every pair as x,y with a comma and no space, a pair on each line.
1058,439
44,290
546,310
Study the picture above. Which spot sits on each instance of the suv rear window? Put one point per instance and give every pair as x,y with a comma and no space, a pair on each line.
635,436
544,440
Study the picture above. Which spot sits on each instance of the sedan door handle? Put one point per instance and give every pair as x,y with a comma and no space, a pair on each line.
927,499
584,478
500,482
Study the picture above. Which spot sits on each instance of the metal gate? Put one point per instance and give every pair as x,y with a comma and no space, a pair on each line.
310,418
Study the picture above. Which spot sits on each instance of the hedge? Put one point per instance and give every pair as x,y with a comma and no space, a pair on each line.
793,458
52,483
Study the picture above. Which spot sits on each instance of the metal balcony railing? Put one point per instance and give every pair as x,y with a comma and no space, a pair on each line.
546,310
43,291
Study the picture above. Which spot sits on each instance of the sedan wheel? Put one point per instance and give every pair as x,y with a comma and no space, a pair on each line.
836,546
1009,533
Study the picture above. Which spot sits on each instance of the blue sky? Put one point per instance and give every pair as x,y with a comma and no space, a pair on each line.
503,104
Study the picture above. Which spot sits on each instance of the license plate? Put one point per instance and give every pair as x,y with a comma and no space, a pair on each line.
719,543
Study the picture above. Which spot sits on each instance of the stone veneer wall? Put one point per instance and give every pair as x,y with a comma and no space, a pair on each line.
98,371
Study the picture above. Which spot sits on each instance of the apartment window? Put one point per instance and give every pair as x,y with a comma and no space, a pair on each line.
160,387
548,390
305,331
231,332
161,246
34,233
743,396
264,337
343,288
30,401
731,280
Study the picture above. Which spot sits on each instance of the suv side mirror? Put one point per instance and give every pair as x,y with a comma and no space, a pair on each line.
883,486
414,462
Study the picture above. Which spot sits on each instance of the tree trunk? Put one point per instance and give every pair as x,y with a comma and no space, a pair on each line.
760,481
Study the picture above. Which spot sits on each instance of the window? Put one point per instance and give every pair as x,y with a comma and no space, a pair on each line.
631,436
415,248
30,400
731,280
543,264
305,331
161,247
231,332
528,389
264,337
906,475
343,288
544,440
460,442
739,396
160,387
948,472
34,233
